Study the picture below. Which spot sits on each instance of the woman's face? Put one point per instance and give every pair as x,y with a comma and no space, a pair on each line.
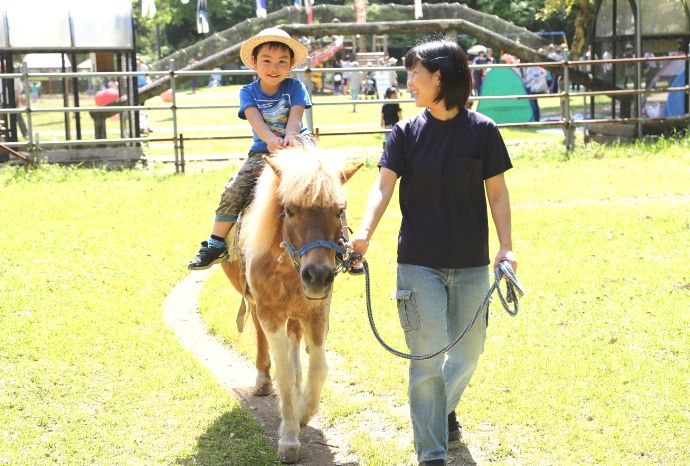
424,85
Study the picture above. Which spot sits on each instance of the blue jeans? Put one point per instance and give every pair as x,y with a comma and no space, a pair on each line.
434,306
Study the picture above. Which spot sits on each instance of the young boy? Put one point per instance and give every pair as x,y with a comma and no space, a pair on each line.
273,105
390,113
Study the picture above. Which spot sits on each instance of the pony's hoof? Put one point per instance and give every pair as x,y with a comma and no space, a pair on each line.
264,389
288,453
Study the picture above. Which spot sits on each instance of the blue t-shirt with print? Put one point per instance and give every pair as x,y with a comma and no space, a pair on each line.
275,108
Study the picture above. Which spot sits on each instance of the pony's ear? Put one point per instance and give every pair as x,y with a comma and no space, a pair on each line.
272,163
348,172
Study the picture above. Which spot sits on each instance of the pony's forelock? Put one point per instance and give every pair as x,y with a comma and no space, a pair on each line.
307,179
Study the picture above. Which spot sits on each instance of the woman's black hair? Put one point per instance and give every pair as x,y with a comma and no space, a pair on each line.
271,46
441,53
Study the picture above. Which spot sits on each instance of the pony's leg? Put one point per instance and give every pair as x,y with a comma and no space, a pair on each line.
315,336
294,332
288,445
263,385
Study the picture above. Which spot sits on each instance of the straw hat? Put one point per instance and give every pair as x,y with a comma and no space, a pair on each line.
272,35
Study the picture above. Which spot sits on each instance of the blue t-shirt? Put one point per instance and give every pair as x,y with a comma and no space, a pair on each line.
442,166
275,108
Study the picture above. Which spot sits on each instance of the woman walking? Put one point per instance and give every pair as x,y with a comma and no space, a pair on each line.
449,160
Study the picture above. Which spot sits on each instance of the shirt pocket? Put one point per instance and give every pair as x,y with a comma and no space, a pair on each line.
407,309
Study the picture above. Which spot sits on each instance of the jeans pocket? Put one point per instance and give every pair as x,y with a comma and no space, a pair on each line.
407,309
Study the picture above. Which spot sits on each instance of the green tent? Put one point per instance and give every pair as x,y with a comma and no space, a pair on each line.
505,81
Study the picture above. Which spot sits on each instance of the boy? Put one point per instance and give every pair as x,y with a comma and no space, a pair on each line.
273,105
390,113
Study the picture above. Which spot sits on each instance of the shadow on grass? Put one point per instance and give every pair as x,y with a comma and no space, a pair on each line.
234,438
459,455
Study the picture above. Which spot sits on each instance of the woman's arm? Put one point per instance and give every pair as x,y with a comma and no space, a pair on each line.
379,197
499,201
260,127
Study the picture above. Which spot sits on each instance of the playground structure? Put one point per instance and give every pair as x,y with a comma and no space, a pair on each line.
64,33
640,28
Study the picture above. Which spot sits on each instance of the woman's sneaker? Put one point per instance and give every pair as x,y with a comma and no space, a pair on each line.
454,429
207,256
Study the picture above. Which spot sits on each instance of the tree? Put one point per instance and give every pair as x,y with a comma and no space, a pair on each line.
583,10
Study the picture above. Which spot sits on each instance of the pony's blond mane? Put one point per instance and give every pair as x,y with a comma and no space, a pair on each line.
306,179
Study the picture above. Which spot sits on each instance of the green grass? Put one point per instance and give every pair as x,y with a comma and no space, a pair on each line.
90,372
593,370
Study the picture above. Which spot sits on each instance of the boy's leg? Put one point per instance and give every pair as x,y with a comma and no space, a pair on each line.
235,197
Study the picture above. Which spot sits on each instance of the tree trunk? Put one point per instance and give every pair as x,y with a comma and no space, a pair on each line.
583,13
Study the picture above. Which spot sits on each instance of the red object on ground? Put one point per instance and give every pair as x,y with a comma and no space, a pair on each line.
167,95
106,96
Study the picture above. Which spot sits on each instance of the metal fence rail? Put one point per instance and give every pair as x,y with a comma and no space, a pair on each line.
565,119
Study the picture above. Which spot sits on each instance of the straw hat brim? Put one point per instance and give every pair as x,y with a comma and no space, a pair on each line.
250,44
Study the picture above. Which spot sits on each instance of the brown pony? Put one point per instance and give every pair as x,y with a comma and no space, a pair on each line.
288,240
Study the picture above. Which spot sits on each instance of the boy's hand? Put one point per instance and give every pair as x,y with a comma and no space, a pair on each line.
274,144
290,140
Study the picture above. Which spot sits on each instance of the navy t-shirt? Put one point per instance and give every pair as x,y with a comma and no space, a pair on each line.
442,166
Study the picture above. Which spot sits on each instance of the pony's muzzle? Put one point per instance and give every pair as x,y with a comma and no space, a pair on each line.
317,280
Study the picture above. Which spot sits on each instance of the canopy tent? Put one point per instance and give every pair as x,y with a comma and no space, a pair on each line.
51,62
505,81
67,25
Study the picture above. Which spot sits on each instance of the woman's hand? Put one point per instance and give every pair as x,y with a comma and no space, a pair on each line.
506,255
358,245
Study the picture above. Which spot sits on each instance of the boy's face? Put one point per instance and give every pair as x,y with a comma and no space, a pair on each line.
272,64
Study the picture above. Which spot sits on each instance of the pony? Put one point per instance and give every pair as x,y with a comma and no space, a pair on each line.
288,241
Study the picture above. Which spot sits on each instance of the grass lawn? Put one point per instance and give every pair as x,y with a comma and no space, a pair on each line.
593,370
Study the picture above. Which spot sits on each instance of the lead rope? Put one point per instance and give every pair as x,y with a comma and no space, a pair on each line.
512,286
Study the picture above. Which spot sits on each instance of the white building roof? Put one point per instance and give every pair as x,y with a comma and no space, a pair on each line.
66,25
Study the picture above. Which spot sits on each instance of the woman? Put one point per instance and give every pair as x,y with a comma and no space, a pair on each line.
449,160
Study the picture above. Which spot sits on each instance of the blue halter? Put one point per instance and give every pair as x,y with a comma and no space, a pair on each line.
296,255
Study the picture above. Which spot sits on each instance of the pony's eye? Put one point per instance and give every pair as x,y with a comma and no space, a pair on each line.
340,213
289,213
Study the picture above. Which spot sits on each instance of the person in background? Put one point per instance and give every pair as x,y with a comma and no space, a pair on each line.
355,85
490,56
450,161
478,73
347,63
390,113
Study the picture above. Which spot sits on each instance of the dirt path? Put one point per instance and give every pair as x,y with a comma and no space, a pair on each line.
320,446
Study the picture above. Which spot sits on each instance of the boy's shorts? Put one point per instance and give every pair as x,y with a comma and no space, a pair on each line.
239,191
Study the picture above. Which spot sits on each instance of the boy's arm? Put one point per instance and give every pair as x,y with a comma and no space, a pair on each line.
294,125
260,127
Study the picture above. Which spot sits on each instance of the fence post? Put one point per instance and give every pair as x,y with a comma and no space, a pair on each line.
568,127
27,96
171,67
182,152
